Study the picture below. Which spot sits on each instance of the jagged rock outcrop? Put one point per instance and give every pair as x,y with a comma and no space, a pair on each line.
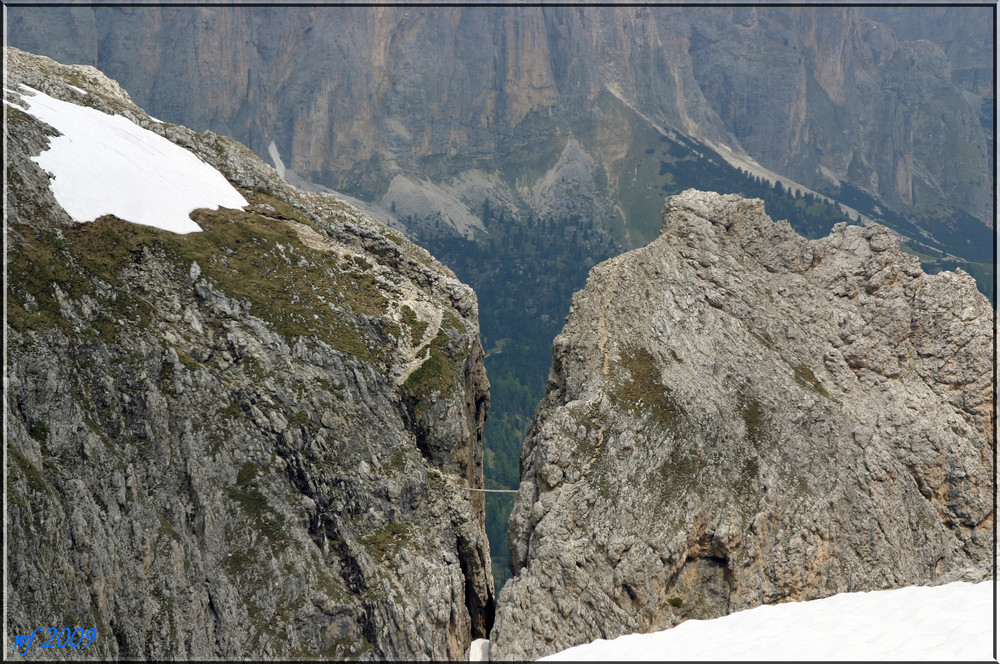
735,416
253,441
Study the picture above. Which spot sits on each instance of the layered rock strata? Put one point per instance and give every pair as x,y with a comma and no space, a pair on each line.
352,97
253,441
738,416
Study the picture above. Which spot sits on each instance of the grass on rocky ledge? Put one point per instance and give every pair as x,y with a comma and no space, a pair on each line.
436,374
643,392
386,543
246,493
251,255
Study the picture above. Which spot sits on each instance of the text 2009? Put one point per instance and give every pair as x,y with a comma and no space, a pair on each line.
64,638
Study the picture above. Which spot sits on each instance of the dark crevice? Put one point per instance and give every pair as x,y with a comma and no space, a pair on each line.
481,610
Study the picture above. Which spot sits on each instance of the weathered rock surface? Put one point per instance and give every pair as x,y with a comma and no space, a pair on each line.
352,97
736,416
256,440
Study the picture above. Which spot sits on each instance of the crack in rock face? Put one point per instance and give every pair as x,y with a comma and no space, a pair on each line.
735,416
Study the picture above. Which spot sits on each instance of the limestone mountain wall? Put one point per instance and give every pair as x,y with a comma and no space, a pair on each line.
353,96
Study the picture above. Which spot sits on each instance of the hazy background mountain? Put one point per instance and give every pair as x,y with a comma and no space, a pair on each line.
524,145
355,98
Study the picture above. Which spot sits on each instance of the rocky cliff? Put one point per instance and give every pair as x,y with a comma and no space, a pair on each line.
735,416
254,440
354,98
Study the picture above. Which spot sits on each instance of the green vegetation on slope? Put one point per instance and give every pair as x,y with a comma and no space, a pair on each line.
245,254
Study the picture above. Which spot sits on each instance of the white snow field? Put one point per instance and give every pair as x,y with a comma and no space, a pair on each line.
105,164
949,622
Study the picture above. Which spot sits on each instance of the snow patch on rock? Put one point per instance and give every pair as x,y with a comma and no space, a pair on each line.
917,623
105,164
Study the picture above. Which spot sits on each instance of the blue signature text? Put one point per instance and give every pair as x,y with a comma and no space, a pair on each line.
64,638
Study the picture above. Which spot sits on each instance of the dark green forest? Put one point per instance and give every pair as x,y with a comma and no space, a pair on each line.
525,273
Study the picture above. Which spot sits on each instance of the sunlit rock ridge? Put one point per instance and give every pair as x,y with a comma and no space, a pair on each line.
735,416
256,439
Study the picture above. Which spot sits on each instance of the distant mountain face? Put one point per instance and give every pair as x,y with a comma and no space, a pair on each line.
966,40
388,103
739,416
254,439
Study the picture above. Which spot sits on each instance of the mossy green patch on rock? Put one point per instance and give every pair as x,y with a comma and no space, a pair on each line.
386,543
642,392
43,264
189,362
250,256
300,419
806,376
33,476
39,431
417,327
300,290
255,504
248,472
743,485
437,374
167,528
756,419
271,206
397,462
682,471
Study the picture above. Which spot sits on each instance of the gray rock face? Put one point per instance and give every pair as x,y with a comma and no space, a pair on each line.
352,96
257,440
736,416
840,102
